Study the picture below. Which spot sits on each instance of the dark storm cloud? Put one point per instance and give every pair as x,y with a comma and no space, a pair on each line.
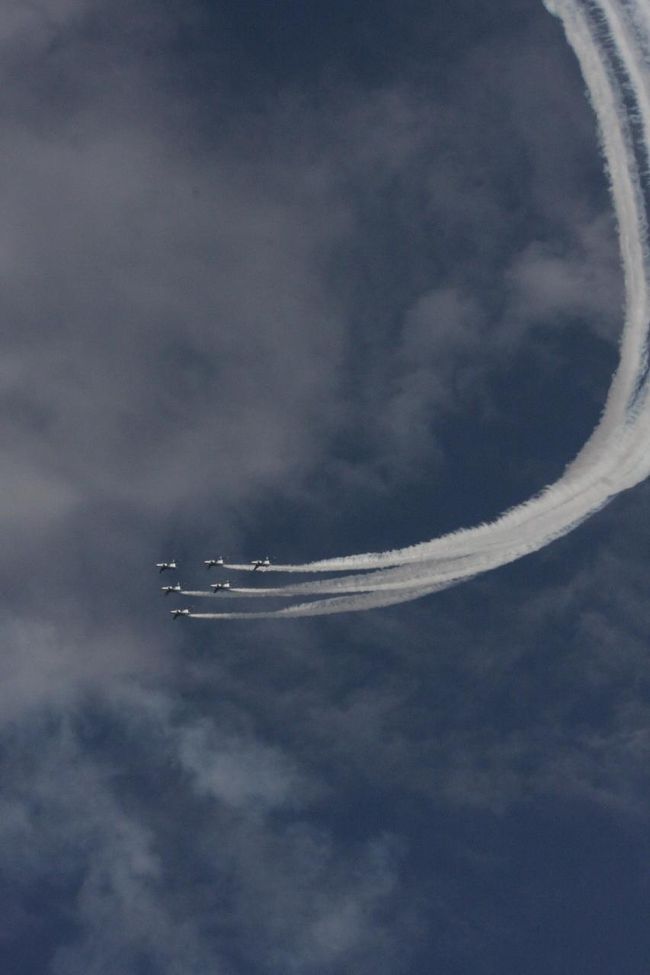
236,313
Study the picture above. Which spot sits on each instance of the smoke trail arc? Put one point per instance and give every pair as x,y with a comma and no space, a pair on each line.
611,40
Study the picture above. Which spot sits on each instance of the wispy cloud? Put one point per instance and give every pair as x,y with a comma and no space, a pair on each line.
130,889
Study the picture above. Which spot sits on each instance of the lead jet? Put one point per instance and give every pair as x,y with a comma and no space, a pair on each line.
260,563
168,589
213,563
179,612
219,586
163,566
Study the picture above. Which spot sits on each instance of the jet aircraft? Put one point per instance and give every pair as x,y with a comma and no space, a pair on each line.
212,563
168,589
260,563
162,566
219,586
179,612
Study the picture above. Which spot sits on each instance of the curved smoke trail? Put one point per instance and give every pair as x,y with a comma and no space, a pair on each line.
611,39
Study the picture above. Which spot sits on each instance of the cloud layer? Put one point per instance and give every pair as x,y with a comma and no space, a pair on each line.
306,298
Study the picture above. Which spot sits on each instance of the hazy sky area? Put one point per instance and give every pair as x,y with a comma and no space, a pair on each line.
302,279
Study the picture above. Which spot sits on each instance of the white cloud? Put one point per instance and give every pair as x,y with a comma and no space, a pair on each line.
550,284
31,20
238,772
440,338
157,874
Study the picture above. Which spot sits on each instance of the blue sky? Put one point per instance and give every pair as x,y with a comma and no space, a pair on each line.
306,280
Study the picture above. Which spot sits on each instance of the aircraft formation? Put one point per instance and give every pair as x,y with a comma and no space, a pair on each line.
215,586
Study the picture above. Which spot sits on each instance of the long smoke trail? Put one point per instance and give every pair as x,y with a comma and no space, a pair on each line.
611,39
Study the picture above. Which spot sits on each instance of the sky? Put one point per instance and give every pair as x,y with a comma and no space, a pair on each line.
304,280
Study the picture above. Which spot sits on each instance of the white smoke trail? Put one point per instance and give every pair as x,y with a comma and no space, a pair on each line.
611,39
325,607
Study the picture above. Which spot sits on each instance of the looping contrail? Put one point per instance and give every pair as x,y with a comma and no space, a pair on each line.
611,39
